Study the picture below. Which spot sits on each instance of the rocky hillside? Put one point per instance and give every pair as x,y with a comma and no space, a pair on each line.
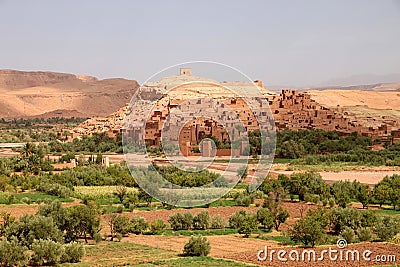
44,94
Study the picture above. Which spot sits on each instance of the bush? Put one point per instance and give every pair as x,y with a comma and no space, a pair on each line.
54,210
342,217
396,239
97,238
13,254
26,200
83,220
138,225
201,221
31,227
179,221
119,237
54,189
122,225
245,223
280,217
387,227
120,209
248,225
47,251
197,246
331,202
348,234
217,222
244,199
157,225
73,252
310,229
235,219
265,218
364,234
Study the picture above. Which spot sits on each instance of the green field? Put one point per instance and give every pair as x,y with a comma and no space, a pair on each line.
34,196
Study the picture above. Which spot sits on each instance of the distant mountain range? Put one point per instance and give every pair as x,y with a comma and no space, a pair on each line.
51,94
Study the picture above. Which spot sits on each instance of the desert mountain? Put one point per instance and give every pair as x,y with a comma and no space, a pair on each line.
46,94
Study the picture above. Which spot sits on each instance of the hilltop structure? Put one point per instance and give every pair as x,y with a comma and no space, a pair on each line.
290,110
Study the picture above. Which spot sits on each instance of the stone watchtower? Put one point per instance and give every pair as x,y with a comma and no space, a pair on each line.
186,71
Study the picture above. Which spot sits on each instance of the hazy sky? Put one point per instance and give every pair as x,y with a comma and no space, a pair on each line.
281,42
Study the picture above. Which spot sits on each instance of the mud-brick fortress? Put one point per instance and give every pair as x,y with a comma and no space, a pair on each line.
290,109
293,110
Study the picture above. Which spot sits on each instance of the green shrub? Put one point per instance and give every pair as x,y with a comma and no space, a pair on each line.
348,234
217,222
55,189
26,200
7,198
244,222
201,221
6,220
130,201
120,209
119,237
13,254
138,225
197,246
249,225
55,211
342,217
122,225
331,202
368,218
310,229
83,220
179,221
265,218
396,239
387,227
280,217
73,252
236,219
364,234
131,207
244,199
31,227
97,238
47,251
157,225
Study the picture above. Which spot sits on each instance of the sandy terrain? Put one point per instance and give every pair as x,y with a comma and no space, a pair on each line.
374,100
26,94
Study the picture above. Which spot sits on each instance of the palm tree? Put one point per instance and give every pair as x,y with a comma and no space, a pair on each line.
28,150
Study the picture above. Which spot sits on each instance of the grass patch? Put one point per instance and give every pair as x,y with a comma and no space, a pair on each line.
40,195
279,239
387,211
223,203
282,161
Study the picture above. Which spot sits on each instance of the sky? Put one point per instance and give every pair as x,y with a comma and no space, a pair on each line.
293,43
